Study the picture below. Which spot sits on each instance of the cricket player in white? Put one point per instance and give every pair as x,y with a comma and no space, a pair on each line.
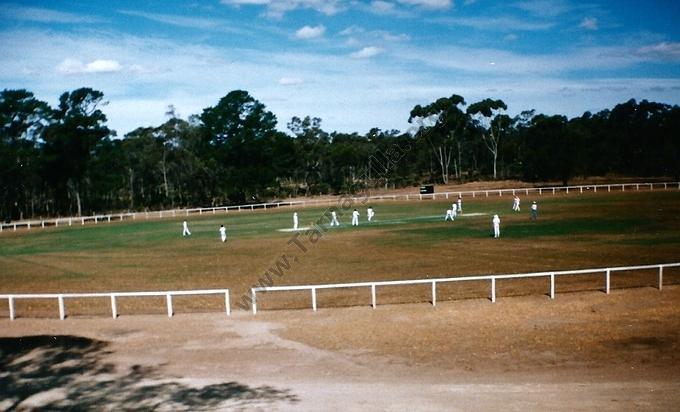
449,215
355,218
223,233
515,204
534,211
370,213
334,219
496,226
460,204
454,211
185,229
295,221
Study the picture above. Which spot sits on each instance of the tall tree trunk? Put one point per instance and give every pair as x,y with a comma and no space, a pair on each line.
131,174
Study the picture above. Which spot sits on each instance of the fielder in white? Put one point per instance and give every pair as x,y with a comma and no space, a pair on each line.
334,219
370,213
534,211
223,233
515,204
185,229
460,204
355,218
454,211
496,226
295,221
449,215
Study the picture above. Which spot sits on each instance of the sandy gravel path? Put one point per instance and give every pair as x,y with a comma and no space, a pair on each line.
582,351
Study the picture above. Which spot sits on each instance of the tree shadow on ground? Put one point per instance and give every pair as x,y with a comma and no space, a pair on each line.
68,372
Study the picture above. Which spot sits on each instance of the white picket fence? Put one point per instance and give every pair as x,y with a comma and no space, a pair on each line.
61,299
70,221
552,275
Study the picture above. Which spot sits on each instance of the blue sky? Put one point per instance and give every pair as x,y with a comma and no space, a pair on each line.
354,64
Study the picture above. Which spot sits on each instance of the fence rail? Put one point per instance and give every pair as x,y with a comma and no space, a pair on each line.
61,297
70,221
492,278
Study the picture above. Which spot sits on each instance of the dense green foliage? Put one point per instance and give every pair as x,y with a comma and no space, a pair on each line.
66,161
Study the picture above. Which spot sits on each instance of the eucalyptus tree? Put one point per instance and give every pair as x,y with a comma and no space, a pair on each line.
79,125
311,147
240,131
22,121
442,125
492,123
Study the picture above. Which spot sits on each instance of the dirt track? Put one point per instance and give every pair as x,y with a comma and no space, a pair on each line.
583,351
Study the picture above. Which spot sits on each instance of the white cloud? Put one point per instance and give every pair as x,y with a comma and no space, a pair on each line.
475,61
428,4
201,23
589,23
382,7
72,66
277,8
42,15
366,52
545,8
290,81
501,23
309,32
661,51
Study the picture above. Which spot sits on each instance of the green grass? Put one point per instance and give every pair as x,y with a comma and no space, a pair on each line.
406,240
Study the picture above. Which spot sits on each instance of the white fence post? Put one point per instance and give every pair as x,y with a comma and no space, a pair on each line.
493,290
373,295
169,300
660,277
607,281
434,293
62,309
314,299
552,286
11,308
254,300
114,309
227,304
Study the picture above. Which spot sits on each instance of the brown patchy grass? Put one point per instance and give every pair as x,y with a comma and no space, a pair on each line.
573,231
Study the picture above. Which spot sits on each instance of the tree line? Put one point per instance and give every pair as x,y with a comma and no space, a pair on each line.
65,160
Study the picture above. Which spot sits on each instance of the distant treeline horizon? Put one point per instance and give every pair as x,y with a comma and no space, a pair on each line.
64,160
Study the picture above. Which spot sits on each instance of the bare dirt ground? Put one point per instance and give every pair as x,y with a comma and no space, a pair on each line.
582,351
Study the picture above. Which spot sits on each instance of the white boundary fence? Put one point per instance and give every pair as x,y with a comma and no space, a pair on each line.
491,278
70,221
61,297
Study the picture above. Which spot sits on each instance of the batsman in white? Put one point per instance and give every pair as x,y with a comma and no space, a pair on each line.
185,229
334,218
223,233
496,226
370,213
295,220
355,218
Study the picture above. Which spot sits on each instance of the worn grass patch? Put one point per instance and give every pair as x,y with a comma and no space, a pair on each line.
406,240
